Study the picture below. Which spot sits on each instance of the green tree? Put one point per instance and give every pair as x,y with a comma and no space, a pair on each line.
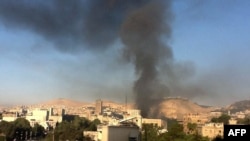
170,122
72,129
38,131
196,137
224,118
245,121
150,132
18,129
22,123
192,127
175,133
22,129
217,138
93,125
7,128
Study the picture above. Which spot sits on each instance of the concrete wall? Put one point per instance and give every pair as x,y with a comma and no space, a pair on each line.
117,133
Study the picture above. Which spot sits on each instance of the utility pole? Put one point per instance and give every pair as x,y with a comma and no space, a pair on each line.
53,135
126,103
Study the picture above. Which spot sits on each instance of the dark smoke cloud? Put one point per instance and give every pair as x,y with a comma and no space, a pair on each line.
141,34
72,24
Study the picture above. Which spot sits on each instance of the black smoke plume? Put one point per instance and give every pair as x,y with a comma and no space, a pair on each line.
96,24
141,34
70,24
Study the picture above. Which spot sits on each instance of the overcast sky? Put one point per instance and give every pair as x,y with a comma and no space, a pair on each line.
211,38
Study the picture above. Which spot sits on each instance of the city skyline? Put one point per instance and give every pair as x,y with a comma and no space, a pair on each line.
209,40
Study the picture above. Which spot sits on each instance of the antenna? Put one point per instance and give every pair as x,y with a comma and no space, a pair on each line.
126,102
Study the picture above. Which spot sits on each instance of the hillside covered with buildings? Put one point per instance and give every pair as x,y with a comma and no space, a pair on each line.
123,118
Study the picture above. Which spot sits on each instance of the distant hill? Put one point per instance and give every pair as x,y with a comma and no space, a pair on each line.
239,106
170,107
177,107
64,102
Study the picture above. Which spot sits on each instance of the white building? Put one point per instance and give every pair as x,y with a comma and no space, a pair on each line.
118,133
9,117
43,117
38,115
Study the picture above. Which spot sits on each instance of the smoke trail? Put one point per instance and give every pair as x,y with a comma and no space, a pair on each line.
97,24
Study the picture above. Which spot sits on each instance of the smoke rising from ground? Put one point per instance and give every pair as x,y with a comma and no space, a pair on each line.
141,34
96,25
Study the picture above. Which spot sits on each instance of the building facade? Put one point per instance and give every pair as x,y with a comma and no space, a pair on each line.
118,133
211,130
98,107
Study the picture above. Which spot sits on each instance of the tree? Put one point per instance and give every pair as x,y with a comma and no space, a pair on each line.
22,123
170,122
191,127
38,131
72,129
7,128
245,121
22,128
18,129
223,118
175,133
218,138
93,125
150,132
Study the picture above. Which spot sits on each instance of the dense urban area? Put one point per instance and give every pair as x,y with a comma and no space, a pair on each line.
111,122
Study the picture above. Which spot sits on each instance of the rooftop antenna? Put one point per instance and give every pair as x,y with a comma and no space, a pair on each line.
126,102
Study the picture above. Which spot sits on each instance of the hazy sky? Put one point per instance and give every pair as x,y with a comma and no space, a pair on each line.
210,38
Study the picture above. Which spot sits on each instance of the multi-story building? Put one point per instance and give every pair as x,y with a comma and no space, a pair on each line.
38,115
98,107
134,116
44,117
198,119
211,130
215,114
157,122
134,112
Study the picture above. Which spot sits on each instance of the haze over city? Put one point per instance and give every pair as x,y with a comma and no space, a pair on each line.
208,43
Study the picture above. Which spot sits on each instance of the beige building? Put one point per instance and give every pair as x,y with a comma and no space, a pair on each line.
232,121
98,107
53,120
118,133
134,113
215,114
198,119
157,122
240,115
212,130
